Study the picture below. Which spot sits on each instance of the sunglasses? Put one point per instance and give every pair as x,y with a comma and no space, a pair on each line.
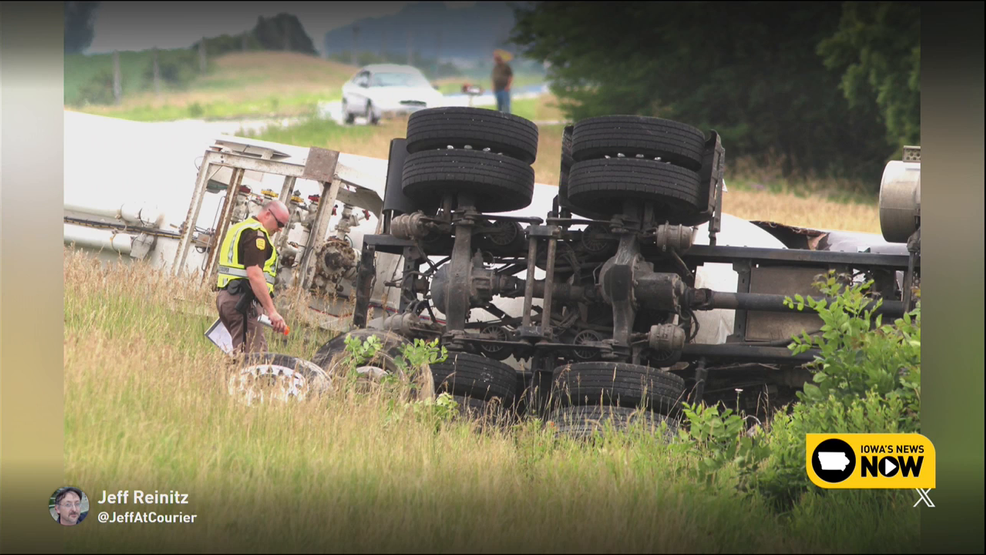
280,225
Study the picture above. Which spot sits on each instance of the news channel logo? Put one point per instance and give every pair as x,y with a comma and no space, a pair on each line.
872,461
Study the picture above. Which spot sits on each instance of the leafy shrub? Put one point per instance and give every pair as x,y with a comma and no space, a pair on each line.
195,110
866,379
859,354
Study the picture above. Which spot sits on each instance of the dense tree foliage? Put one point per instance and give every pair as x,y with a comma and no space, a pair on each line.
80,18
878,48
753,71
283,32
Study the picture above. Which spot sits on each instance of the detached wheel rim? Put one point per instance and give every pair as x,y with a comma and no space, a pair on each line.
265,383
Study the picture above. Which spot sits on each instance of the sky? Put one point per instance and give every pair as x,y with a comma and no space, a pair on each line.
142,25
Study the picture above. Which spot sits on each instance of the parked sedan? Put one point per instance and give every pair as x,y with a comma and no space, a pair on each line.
384,91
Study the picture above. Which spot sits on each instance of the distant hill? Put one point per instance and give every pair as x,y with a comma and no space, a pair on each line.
462,35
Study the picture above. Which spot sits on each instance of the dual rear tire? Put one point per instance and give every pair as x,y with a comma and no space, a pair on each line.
609,160
481,153
593,397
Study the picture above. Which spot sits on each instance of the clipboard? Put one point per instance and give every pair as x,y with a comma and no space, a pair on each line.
220,337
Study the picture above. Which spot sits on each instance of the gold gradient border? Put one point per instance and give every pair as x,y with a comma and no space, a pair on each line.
952,264
31,289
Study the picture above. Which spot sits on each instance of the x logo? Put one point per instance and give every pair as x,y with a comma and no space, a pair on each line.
924,497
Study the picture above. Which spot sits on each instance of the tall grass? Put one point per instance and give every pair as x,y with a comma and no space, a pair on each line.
146,407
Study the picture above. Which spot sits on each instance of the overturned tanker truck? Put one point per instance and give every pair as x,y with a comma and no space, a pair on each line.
610,318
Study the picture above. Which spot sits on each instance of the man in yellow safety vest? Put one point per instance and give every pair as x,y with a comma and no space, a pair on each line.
248,266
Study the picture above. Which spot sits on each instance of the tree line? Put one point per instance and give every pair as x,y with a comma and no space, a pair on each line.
99,78
822,89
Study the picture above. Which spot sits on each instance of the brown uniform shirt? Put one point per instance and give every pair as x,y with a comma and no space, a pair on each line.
501,76
254,248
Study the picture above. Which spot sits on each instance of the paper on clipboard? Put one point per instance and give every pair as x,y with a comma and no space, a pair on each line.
220,337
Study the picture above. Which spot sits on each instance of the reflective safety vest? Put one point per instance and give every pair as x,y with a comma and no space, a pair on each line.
230,265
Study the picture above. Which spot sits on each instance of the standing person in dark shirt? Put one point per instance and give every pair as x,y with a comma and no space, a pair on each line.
248,264
503,77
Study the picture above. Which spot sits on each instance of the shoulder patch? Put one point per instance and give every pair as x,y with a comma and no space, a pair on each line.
261,244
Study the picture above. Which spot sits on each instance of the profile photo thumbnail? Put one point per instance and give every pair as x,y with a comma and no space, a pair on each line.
68,506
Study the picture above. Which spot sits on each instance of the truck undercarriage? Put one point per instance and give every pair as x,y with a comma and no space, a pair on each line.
601,292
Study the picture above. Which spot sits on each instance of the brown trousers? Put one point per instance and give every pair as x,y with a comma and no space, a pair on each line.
237,324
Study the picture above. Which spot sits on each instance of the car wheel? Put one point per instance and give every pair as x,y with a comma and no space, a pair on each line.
371,119
347,116
498,183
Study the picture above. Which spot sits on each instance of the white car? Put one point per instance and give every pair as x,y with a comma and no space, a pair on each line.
386,90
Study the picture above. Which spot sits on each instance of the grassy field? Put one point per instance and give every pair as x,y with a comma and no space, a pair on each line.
453,85
253,84
760,197
146,408
236,85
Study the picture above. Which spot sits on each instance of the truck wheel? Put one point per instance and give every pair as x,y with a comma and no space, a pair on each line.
491,412
631,136
603,185
566,160
584,422
334,352
266,377
566,168
478,128
475,376
618,384
499,183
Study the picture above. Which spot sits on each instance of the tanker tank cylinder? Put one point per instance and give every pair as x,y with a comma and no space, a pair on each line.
900,197
135,213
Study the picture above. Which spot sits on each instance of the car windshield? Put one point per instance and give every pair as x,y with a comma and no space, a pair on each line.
398,80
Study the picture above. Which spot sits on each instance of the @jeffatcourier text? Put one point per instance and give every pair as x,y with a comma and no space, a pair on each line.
151,507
